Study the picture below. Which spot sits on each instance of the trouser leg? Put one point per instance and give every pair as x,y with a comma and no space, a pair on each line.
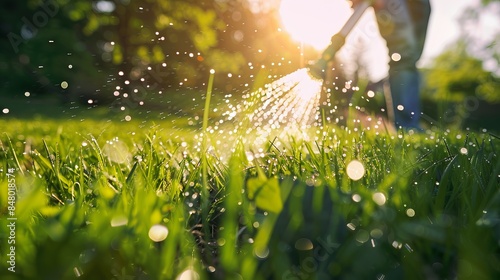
403,24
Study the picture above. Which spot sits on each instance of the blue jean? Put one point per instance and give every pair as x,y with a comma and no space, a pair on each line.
403,25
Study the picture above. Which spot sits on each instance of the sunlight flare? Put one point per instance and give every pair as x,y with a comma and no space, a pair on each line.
313,22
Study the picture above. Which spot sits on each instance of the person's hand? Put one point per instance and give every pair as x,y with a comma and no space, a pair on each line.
377,4
354,3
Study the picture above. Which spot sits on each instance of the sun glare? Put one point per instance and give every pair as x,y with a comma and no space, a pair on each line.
313,22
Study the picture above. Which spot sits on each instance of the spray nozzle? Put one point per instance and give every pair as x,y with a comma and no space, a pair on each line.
318,69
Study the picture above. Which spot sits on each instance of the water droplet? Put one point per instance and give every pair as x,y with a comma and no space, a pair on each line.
5,110
355,170
400,107
304,244
396,245
188,274
410,212
261,253
362,236
408,247
64,85
119,221
396,57
379,198
158,233
117,151
376,233
463,151
78,271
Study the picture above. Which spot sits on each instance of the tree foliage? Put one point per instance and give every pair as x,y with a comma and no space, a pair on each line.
455,75
98,46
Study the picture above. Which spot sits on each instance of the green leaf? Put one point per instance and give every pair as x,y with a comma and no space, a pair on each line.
266,193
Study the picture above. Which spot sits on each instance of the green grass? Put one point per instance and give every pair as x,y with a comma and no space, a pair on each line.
89,192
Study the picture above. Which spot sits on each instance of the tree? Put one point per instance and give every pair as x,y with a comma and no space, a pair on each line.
455,75
484,47
39,50
459,91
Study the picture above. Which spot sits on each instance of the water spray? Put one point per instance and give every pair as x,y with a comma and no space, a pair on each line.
318,69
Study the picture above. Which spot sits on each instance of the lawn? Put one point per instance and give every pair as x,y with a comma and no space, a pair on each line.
104,198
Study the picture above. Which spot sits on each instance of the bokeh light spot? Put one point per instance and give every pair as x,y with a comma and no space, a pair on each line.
188,274
158,233
355,170
396,57
410,212
379,198
304,244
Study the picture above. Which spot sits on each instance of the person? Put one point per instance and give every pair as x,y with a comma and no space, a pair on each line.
403,25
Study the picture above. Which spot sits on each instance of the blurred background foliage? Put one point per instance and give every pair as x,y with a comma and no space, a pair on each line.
100,47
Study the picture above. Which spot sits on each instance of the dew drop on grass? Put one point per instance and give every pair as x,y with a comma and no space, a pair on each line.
188,274
396,244
410,212
158,233
304,244
355,170
117,151
78,271
261,253
221,242
5,110
463,151
379,198
408,247
351,226
119,221
362,236
376,233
